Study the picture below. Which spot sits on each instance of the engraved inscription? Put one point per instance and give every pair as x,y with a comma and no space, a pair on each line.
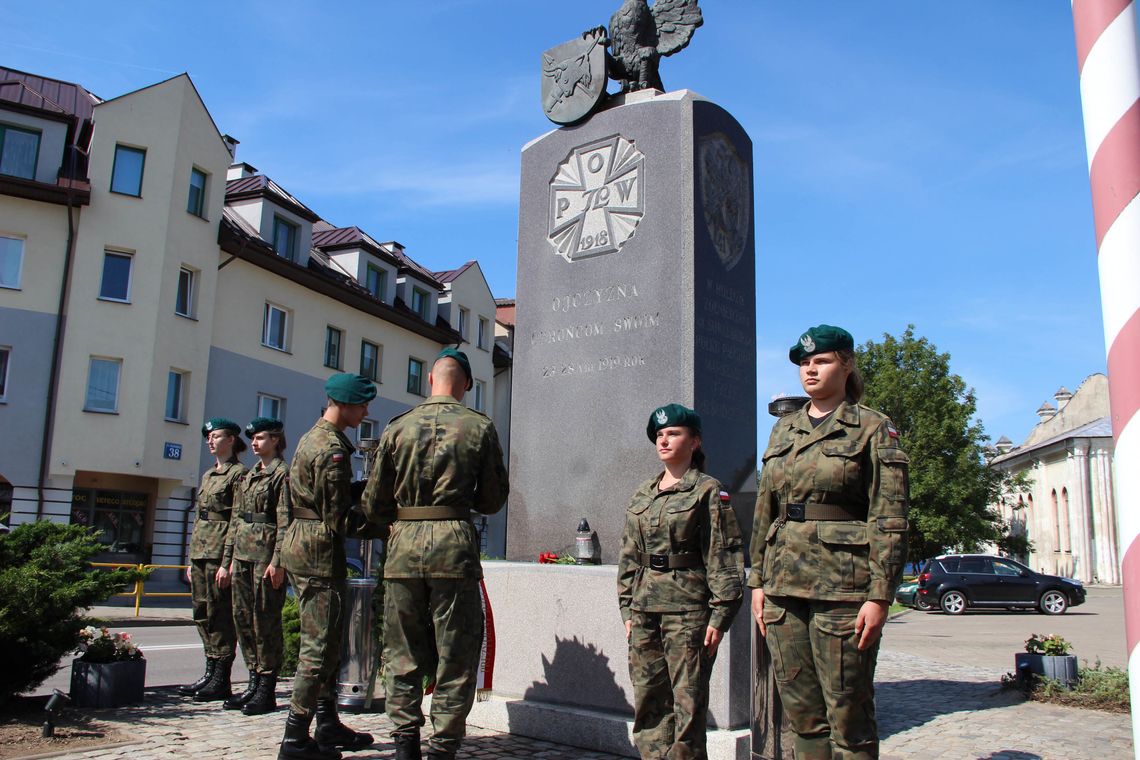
596,198
593,297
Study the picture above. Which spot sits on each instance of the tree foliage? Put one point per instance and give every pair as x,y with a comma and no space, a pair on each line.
46,582
951,487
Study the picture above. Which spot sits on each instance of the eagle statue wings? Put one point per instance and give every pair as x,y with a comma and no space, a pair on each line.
640,34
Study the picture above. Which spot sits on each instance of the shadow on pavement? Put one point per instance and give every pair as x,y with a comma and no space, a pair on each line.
903,705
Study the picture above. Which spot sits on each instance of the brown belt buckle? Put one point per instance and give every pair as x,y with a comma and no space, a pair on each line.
795,512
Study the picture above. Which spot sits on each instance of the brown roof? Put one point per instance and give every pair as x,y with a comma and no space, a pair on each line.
46,94
260,186
452,274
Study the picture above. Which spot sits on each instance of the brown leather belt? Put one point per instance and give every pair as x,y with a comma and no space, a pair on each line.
259,517
304,513
432,513
814,511
205,514
663,562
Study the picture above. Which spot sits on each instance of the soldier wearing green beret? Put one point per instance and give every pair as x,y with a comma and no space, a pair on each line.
312,552
253,556
679,587
435,464
828,547
209,581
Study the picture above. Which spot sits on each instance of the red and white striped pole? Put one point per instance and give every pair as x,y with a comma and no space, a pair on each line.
1108,58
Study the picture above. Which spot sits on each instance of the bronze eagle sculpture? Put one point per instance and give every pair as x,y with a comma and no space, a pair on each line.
640,34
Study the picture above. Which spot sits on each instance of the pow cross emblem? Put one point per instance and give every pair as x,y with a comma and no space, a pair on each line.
596,198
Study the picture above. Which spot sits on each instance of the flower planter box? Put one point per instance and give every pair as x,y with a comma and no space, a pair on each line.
107,684
1061,668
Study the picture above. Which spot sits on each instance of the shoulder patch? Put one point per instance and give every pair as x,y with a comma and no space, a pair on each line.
338,457
724,497
892,431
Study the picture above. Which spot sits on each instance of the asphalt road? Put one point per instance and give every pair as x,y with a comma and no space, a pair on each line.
989,638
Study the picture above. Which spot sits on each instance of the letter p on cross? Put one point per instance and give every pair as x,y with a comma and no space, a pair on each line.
563,204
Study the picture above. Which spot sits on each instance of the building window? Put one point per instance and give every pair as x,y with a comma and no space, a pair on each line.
483,330
420,302
19,151
127,173
370,360
184,299
116,283
270,406
333,340
11,261
118,517
275,333
367,429
415,376
196,200
285,238
480,396
464,321
376,280
176,395
5,353
103,385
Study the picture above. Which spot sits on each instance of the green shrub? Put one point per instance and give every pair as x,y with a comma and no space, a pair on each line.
1097,688
291,627
46,581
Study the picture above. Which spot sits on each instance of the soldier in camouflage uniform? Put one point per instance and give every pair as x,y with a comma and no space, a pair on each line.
312,552
679,587
434,465
828,547
253,555
209,583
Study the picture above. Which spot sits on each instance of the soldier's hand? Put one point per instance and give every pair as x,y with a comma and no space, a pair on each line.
222,577
870,621
712,640
628,629
276,575
758,609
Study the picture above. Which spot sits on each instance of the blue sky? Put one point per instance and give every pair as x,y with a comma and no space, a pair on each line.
914,162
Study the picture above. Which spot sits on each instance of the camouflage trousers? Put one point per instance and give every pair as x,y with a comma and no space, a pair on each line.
826,685
320,607
257,616
433,627
670,671
213,609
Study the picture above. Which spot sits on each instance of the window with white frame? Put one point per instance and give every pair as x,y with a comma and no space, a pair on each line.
285,235
270,406
376,281
196,199
484,328
334,338
19,151
176,389
11,261
275,331
116,282
464,321
480,396
420,302
103,385
5,355
415,376
370,360
367,429
127,173
184,298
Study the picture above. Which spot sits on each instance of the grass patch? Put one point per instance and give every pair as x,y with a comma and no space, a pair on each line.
1097,688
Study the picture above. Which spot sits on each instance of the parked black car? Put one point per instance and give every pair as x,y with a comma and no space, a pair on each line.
957,581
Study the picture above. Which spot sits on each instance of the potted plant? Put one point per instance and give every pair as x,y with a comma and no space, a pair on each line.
110,672
1048,657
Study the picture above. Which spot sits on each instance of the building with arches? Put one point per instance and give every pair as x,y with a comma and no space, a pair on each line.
1069,510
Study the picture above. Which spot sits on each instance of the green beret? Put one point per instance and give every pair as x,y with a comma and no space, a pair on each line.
672,415
220,423
350,389
819,339
457,355
263,425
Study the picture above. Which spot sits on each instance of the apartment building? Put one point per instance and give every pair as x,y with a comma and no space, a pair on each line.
148,280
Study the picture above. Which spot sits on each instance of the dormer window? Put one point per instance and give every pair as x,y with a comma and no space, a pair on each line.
19,150
376,281
285,236
420,302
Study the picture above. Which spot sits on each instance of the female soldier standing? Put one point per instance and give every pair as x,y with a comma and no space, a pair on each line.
679,586
252,554
209,581
828,546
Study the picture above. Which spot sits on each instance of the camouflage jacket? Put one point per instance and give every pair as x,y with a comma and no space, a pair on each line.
215,495
689,517
320,479
437,454
258,493
851,460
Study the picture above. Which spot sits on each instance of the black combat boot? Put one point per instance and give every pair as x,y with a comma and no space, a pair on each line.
298,745
191,689
235,702
407,746
264,700
218,686
331,732
439,754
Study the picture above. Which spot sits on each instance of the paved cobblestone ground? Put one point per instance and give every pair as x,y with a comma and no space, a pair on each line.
926,710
